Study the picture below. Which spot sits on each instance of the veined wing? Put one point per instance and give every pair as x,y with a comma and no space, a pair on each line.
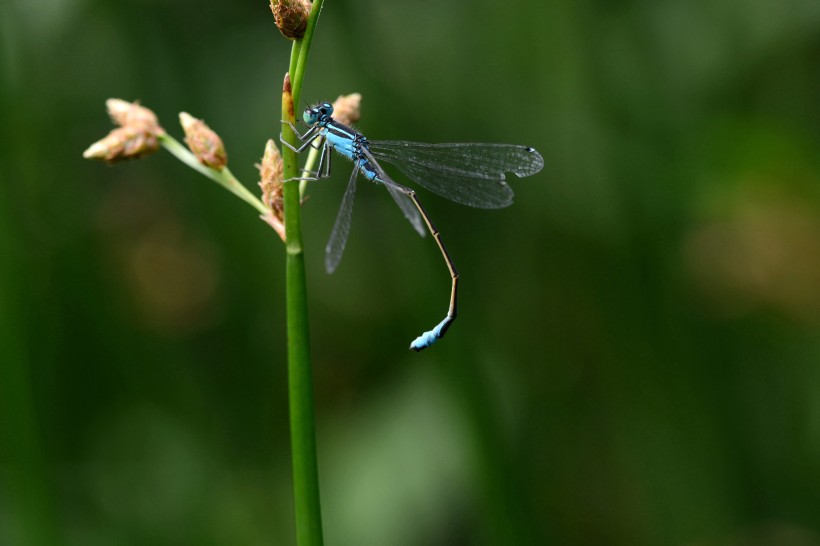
469,173
341,228
408,208
398,193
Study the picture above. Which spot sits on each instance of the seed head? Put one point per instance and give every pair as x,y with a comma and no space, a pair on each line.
347,108
131,114
136,137
203,142
270,172
291,17
271,182
123,143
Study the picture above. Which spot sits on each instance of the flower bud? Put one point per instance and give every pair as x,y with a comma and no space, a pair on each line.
131,114
346,109
271,182
270,172
123,143
203,142
291,17
137,137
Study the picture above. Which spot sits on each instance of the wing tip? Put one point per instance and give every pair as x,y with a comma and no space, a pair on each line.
536,162
331,263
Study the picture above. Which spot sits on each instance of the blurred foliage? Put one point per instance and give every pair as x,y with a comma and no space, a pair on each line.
636,362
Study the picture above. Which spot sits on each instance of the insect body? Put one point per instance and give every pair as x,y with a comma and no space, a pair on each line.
469,173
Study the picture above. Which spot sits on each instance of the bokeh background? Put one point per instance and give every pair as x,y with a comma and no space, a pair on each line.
637,359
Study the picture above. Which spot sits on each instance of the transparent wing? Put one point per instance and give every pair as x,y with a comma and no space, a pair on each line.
471,174
399,194
341,229
408,208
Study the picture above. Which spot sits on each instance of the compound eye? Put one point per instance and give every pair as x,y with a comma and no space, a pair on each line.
309,116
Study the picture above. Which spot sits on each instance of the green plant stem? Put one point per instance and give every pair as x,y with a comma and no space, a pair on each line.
294,56
301,48
313,156
224,178
306,499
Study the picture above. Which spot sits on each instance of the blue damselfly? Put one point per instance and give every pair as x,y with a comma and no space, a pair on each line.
467,173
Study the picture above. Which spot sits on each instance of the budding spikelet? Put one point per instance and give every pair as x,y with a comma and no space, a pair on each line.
271,182
136,137
347,108
123,143
203,142
131,114
291,17
271,177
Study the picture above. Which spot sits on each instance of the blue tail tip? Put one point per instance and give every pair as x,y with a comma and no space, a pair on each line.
428,338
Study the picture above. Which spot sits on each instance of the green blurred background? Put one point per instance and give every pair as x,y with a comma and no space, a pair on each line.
637,359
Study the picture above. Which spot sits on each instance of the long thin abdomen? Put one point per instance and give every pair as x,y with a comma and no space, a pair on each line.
367,170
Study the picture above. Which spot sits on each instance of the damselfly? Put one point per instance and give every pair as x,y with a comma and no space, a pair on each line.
471,174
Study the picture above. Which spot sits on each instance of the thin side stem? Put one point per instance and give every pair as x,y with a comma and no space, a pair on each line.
313,155
306,499
224,177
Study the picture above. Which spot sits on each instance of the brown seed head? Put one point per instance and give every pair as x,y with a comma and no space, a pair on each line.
203,142
270,172
291,17
131,114
347,109
123,143
271,182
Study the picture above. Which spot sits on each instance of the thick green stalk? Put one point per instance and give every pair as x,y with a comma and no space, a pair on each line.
306,500
301,48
